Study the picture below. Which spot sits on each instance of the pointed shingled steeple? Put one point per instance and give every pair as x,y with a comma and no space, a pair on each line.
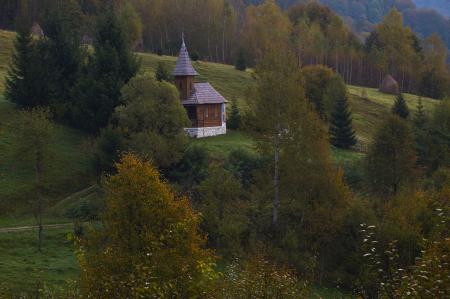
184,65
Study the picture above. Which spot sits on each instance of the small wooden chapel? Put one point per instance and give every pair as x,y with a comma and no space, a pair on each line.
204,105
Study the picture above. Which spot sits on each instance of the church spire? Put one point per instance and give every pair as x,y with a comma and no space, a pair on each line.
184,64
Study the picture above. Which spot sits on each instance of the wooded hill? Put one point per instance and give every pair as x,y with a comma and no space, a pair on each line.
73,151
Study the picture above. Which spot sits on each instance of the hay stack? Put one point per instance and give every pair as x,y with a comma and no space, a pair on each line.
36,30
389,85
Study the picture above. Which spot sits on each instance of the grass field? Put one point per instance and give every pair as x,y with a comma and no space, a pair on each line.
6,46
68,171
22,266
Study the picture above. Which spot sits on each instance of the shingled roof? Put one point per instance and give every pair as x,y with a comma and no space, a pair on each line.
184,65
204,93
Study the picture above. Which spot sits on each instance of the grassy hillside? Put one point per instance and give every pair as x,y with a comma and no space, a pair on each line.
23,267
6,46
228,81
68,170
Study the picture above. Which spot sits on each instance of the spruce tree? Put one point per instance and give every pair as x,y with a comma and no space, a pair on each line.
21,78
400,107
112,65
421,134
162,73
234,121
61,55
420,118
241,64
341,130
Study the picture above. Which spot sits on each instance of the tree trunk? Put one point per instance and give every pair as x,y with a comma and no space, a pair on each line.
38,215
276,179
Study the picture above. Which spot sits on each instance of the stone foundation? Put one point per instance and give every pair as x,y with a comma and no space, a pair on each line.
206,131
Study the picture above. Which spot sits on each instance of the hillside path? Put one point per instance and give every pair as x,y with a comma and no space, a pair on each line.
32,227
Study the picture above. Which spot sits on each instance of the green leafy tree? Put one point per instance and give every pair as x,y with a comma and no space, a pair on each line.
162,72
292,140
391,159
341,129
152,120
400,107
149,245
224,211
317,78
108,149
278,105
335,90
131,23
34,140
191,170
234,120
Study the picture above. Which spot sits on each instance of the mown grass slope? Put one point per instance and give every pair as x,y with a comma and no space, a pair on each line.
23,268
6,46
69,170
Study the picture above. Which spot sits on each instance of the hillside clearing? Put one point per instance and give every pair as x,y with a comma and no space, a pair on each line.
23,267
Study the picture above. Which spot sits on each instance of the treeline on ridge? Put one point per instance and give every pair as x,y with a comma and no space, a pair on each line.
228,32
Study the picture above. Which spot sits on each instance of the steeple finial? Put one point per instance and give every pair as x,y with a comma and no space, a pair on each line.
184,65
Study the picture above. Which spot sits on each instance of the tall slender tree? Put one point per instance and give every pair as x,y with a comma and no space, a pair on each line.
391,159
341,129
113,64
21,75
35,136
400,107
61,55
234,120
420,125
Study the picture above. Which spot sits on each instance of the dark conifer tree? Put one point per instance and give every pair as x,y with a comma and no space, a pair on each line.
61,55
341,129
241,63
421,133
162,73
112,65
234,121
20,77
400,107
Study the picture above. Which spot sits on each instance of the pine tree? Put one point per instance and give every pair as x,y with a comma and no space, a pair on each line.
341,130
21,76
61,55
421,135
234,121
241,63
400,107
112,65
420,118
